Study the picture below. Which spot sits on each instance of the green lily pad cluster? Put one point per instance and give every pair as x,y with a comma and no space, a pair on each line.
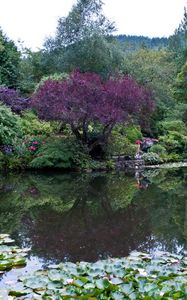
10,256
139,276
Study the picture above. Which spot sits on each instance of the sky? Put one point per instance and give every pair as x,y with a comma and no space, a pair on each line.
31,21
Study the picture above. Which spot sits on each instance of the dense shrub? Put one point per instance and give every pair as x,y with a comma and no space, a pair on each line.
164,155
119,144
12,162
23,153
31,125
151,158
54,77
1,160
172,157
61,153
157,148
10,128
174,142
11,98
133,133
176,125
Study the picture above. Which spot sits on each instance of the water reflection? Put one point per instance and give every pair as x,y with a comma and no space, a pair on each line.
90,216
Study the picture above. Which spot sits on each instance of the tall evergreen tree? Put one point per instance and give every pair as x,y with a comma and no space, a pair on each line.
83,41
9,62
84,20
178,41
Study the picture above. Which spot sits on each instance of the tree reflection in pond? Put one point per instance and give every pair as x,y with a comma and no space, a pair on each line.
90,216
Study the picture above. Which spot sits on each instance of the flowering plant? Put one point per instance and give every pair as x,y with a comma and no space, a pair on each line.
34,145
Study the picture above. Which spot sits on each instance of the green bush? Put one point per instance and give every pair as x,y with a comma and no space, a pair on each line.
157,148
24,152
10,129
185,152
151,158
119,144
164,155
174,142
12,163
133,133
31,125
1,160
55,76
172,157
62,153
110,165
176,125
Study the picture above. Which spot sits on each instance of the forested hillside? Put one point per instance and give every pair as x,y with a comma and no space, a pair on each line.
134,42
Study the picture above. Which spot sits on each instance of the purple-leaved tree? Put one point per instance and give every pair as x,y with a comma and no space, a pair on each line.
85,99
12,98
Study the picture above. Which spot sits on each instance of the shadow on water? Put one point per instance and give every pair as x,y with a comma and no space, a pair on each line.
91,216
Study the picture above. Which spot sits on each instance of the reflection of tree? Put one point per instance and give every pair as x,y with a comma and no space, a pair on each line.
83,236
22,193
67,213
166,202
85,216
61,192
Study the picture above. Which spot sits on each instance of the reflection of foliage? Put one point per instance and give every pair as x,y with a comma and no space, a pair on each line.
61,192
103,213
121,191
166,202
73,208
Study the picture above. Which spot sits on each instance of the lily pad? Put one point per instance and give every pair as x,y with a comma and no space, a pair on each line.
138,276
10,256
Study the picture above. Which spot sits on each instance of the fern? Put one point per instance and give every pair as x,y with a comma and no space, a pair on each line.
55,154
10,129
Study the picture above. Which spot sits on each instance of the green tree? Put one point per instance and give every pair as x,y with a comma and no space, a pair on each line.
180,91
181,85
83,40
9,62
95,54
178,41
33,67
84,20
156,70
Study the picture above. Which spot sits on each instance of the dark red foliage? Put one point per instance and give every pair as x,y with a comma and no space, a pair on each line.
84,98
11,98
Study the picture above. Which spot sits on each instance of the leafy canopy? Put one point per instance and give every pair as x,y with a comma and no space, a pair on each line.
83,40
181,85
178,41
12,98
84,20
9,62
84,99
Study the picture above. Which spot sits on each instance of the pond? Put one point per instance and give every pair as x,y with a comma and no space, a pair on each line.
75,217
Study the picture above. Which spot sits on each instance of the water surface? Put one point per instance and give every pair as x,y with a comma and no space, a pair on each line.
73,217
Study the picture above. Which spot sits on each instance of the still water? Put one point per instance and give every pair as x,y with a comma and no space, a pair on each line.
73,217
